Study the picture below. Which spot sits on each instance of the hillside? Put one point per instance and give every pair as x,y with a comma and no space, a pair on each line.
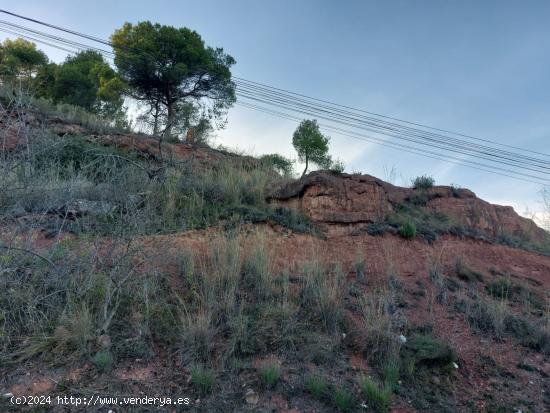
137,268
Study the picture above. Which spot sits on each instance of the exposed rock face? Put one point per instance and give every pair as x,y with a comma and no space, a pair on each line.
349,200
343,199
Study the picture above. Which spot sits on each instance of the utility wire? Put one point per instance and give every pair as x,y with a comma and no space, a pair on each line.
464,151
272,95
409,149
457,158
394,128
108,43
392,118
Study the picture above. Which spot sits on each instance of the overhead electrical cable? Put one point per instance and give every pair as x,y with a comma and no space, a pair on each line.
291,102
399,147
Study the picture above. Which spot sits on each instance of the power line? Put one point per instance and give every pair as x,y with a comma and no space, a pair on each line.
463,150
470,162
409,149
336,113
108,43
53,26
392,118
392,127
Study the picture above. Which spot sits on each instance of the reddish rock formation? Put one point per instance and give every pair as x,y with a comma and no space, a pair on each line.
346,199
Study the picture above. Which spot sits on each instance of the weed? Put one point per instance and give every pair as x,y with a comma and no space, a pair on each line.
203,379
270,374
103,361
322,294
316,385
379,341
359,265
436,277
378,397
390,371
257,269
343,399
198,332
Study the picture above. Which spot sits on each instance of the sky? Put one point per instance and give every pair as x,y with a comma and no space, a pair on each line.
480,68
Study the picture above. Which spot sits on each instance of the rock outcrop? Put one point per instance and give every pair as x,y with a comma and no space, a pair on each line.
347,200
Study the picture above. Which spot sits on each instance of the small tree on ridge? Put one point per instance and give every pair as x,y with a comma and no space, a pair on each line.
311,145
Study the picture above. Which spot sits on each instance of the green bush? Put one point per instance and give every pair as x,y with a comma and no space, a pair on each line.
423,182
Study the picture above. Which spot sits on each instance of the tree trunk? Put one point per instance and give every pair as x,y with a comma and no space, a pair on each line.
305,170
170,120
156,119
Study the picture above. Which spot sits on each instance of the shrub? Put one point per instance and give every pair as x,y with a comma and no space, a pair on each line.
103,361
408,230
337,166
378,397
270,374
343,399
426,350
203,379
279,163
316,385
423,182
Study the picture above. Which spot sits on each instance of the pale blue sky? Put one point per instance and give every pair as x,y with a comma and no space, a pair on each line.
482,68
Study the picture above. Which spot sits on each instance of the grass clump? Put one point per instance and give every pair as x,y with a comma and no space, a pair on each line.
203,379
391,371
343,399
377,338
495,318
316,386
408,229
322,294
378,397
270,374
103,361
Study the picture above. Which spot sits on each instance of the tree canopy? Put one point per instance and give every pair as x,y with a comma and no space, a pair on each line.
20,58
311,145
85,80
165,67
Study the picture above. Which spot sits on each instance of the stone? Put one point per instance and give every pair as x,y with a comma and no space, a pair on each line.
251,397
